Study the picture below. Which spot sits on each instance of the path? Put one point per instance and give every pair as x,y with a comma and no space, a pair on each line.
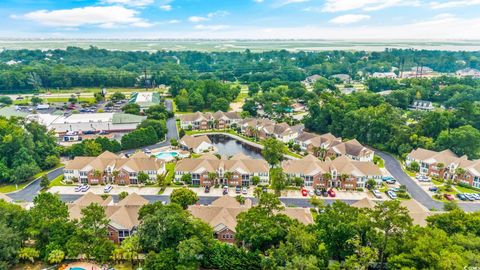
30,191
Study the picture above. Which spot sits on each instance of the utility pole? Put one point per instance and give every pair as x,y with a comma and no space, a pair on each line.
145,78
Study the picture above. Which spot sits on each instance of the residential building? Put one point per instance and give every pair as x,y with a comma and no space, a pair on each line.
422,105
204,121
196,144
351,149
468,72
264,128
341,172
312,143
447,165
222,214
208,170
389,75
94,122
145,99
342,77
109,168
312,79
123,216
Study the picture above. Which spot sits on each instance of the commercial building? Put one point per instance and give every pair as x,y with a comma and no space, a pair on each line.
89,122
145,99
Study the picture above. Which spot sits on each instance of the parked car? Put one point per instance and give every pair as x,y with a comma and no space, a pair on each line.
324,193
422,178
311,193
394,189
264,189
238,189
244,190
207,189
392,195
85,188
225,190
461,197
433,189
449,197
78,188
304,192
389,180
147,151
469,197
331,192
108,188
476,196
377,193
318,192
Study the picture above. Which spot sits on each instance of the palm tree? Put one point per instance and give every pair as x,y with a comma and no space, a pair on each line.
228,175
97,174
115,174
212,176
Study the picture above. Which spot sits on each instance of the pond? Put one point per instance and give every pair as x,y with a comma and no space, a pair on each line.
229,146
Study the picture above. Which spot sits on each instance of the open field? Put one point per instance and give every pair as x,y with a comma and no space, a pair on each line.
240,45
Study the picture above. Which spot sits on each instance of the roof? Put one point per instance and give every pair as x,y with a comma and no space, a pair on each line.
429,156
137,162
10,111
351,147
311,165
145,99
223,212
133,199
241,164
364,203
417,212
125,118
218,115
192,142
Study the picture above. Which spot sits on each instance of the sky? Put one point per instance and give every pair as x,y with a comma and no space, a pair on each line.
241,19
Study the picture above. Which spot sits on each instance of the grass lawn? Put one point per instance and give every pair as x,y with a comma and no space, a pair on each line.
170,167
241,97
7,188
58,182
380,162
461,189
437,183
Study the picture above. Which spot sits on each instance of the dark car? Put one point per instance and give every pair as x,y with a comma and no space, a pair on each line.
238,189
433,189
324,193
318,192
225,190
207,189
461,197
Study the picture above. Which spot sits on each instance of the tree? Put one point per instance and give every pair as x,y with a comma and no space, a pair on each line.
6,100
183,197
28,254
278,180
139,137
131,248
10,244
56,256
51,161
221,104
122,195
392,220
255,180
131,108
414,166
186,178
117,96
44,182
273,151
464,140
36,100
371,184
143,178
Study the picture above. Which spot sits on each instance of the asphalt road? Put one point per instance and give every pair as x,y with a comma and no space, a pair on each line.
172,131
29,192
419,194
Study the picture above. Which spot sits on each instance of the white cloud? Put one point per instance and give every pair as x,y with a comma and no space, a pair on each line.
166,7
197,19
102,16
454,4
349,18
214,27
132,3
366,5
218,13
174,21
288,2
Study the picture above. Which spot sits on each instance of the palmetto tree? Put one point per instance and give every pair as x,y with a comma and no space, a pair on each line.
115,174
228,175
253,132
320,152
97,174
212,176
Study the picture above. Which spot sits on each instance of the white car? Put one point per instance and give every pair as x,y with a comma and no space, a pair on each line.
311,193
392,195
85,188
78,188
377,193
108,188
244,190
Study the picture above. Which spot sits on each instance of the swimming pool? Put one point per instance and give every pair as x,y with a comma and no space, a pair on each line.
76,268
166,155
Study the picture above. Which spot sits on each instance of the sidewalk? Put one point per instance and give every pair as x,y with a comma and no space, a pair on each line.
99,190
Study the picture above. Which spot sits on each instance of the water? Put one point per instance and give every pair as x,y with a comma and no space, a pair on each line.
166,155
228,146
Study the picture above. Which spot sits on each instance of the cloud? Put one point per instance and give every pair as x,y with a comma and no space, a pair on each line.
166,7
102,16
288,2
366,5
218,13
197,19
131,3
211,27
454,4
349,18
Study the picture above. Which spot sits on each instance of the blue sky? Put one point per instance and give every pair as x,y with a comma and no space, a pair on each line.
250,19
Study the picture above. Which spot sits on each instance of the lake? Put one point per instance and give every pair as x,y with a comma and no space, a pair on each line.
228,146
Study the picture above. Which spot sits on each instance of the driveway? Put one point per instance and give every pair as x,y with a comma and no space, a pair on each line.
417,192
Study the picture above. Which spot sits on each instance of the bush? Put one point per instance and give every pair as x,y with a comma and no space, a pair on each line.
139,137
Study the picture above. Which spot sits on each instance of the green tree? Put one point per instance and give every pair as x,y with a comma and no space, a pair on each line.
221,104
131,108
28,254
117,96
36,100
122,195
56,256
183,197
44,182
143,178
273,151
278,180
10,244
131,248
464,140
186,178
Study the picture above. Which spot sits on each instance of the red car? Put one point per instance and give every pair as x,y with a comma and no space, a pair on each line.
304,192
331,192
449,197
